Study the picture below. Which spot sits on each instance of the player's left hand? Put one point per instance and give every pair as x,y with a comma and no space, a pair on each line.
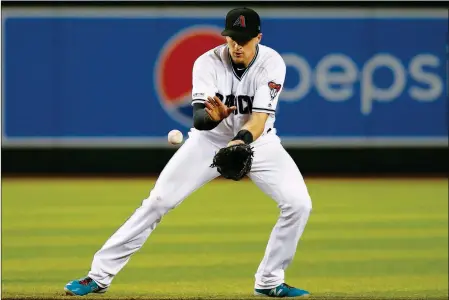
234,162
236,142
217,110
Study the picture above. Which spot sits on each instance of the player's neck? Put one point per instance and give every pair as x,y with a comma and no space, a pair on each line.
247,62
250,59
239,66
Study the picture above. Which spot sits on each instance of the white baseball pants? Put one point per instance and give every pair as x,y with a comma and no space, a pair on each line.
273,171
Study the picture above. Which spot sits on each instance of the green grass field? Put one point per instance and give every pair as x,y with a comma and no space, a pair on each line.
365,239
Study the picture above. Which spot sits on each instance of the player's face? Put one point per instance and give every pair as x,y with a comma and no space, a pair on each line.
242,52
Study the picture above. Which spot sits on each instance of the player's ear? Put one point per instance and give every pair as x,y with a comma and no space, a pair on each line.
259,37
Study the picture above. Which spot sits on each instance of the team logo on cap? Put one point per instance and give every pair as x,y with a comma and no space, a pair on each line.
240,21
173,70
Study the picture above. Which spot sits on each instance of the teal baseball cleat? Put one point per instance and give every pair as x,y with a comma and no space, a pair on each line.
282,290
82,287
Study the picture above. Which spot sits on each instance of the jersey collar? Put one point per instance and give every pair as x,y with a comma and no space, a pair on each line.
247,68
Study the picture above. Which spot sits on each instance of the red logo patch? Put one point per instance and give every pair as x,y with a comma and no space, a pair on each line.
274,89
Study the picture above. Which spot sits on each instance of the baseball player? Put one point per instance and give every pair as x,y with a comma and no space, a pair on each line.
235,92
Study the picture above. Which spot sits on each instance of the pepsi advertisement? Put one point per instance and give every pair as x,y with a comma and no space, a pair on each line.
74,77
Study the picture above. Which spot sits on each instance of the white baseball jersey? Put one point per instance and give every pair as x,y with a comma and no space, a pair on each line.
256,90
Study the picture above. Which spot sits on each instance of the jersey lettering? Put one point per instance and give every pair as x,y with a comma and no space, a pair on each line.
220,96
244,103
230,101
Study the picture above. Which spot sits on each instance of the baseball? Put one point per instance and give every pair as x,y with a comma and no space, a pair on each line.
175,137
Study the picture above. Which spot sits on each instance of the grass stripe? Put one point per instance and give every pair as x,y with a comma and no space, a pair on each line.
168,228
234,237
322,287
108,222
219,258
136,274
68,250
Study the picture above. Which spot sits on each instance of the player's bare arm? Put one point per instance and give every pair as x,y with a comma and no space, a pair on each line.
252,130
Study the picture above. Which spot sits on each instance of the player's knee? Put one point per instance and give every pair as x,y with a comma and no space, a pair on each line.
159,202
297,205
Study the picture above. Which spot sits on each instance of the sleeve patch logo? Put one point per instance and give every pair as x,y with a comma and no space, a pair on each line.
274,89
198,95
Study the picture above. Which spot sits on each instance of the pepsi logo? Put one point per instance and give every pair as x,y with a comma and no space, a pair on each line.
173,70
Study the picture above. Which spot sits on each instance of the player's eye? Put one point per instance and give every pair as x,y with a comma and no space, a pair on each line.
242,42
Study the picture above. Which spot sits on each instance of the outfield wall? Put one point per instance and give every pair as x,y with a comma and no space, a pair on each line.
95,89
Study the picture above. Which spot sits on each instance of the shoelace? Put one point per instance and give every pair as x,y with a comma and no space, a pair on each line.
85,281
288,286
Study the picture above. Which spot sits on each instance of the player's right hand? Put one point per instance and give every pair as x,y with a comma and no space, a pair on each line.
216,110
